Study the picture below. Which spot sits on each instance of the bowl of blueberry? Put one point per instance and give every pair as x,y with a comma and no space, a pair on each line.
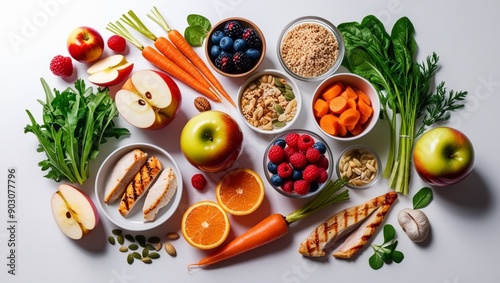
235,47
298,163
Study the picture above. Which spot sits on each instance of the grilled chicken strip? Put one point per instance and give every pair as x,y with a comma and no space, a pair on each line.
342,223
123,173
140,184
160,194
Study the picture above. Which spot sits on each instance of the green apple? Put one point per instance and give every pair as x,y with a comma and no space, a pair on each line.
443,156
211,141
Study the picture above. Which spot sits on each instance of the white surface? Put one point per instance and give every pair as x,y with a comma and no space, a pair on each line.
463,245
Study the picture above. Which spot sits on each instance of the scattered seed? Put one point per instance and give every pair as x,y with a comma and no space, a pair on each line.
133,247
150,247
158,246
130,238
116,232
120,239
130,258
147,260
170,249
145,252
141,240
172,236
123,249
137,255
153,239
154,255
111,240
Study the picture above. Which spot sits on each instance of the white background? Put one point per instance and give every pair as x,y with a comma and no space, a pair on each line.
463,245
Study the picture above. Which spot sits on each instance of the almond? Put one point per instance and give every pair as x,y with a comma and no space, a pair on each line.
202,104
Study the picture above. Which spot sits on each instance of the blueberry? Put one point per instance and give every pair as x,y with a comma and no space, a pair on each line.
226,43
313,186
280,142
272,167
215,51
320,146
253,53
239,45
296,175
276,180
217,36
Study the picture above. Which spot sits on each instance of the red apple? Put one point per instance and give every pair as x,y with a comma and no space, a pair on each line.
110,71
211,141
85,44
443,156
149,99
74,212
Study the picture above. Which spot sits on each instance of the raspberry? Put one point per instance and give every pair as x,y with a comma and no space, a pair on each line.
224,62
233,29
323,162
287,186
304,142
298,160
301,187
289,151
198,181
276,154
322,176
285,170
61,66
310,173
242,62
251,38
292,139
313,154
117,43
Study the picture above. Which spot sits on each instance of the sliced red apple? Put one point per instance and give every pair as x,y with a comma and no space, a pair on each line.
74,212
148,99
110,71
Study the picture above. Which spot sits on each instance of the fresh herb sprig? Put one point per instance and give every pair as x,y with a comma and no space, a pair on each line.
386,252
388,61
76,122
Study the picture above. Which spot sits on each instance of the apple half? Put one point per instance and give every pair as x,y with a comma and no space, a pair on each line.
74,212
110,71
149,99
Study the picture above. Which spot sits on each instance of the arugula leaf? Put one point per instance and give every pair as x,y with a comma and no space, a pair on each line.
75,123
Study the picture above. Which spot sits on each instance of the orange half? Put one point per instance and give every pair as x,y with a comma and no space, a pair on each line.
205,225
240,191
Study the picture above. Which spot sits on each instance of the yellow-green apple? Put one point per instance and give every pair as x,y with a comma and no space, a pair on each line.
443,156
149,99
85,44
211,141
110,70
73,211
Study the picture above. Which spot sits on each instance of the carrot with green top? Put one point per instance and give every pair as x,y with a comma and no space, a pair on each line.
275,226
183,45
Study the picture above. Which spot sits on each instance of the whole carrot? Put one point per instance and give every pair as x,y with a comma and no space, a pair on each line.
183,45
275,226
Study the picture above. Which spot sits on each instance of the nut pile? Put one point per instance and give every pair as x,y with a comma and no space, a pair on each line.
359,166
268,103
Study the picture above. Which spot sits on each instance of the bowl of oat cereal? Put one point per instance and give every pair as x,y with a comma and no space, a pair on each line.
269,101
310,48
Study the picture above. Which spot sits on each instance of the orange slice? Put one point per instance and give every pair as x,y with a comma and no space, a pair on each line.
205,225
240,191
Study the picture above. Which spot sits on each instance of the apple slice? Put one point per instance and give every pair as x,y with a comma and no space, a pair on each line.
74,212
110,71
148,99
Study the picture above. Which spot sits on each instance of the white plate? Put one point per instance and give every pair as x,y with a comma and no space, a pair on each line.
134,221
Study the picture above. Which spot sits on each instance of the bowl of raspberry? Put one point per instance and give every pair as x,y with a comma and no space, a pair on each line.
298,163
235,47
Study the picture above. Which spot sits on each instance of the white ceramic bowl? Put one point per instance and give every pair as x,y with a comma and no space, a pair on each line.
135,220
365,177
277,127
356,82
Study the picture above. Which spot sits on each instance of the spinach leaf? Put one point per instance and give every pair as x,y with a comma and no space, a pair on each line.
198,28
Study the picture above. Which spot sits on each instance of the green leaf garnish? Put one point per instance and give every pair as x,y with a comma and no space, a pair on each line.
422,198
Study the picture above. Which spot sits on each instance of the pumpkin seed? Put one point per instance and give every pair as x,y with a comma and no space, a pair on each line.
120,239
279,109
172,236
154,255
153,239
133,247
137,255
147,260
130,259
278,124
116,232
141,240
145,252
123,249
150,247
278,83
130,238
289,95
111,240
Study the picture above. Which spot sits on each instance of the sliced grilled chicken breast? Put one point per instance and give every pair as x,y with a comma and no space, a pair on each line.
140,184
160,194
123,173
344,222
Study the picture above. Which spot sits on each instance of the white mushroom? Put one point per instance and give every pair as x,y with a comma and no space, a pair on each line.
415,224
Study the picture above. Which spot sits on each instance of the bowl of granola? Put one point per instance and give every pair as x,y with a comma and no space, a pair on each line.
310,48
269,101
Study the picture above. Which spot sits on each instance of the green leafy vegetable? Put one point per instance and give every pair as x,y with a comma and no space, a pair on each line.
75,123
422,198
386,252
388,61
198,28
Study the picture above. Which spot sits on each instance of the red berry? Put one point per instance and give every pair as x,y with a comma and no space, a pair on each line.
323,162
276,154
198,181
304,142
287,186
298,160
310,173
301,187
313,154
117,43
291,139
61,66
322,176
289,151
285,170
